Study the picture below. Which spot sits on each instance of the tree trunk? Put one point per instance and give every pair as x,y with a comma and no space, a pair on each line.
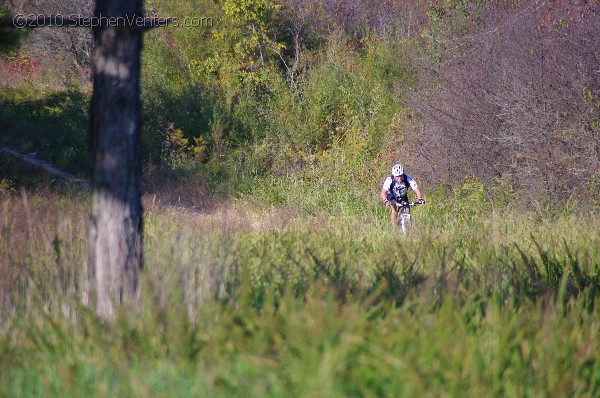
115,240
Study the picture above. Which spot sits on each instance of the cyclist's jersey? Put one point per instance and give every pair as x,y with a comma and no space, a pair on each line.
399,190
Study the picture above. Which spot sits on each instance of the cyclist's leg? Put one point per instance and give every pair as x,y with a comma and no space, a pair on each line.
394,216
394,213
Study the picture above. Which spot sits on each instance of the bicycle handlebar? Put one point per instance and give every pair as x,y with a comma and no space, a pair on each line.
400,205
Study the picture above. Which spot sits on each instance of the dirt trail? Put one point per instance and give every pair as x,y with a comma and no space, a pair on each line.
230,212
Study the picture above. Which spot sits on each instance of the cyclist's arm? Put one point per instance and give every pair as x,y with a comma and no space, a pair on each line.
418,192
384,195
413,185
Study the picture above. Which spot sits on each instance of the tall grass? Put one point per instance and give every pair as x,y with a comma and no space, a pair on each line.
277,302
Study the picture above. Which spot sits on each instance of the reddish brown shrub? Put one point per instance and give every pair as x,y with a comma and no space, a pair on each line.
517,100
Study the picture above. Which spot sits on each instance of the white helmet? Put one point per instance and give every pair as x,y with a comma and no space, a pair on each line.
397,170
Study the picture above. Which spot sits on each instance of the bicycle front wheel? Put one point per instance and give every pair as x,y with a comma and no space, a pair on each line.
404,223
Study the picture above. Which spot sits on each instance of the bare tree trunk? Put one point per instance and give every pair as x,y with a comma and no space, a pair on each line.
115,241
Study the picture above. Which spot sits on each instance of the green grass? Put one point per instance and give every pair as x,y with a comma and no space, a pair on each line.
277,302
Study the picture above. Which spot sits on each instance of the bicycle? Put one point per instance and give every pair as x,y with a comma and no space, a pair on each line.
404,222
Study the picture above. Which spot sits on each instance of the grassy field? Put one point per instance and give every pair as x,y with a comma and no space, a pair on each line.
278,301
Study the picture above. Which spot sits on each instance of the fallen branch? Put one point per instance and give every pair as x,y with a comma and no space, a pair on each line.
32,161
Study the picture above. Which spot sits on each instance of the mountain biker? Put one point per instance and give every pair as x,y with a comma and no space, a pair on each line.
395,190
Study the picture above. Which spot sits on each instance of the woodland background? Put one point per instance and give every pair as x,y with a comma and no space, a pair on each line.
505,93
